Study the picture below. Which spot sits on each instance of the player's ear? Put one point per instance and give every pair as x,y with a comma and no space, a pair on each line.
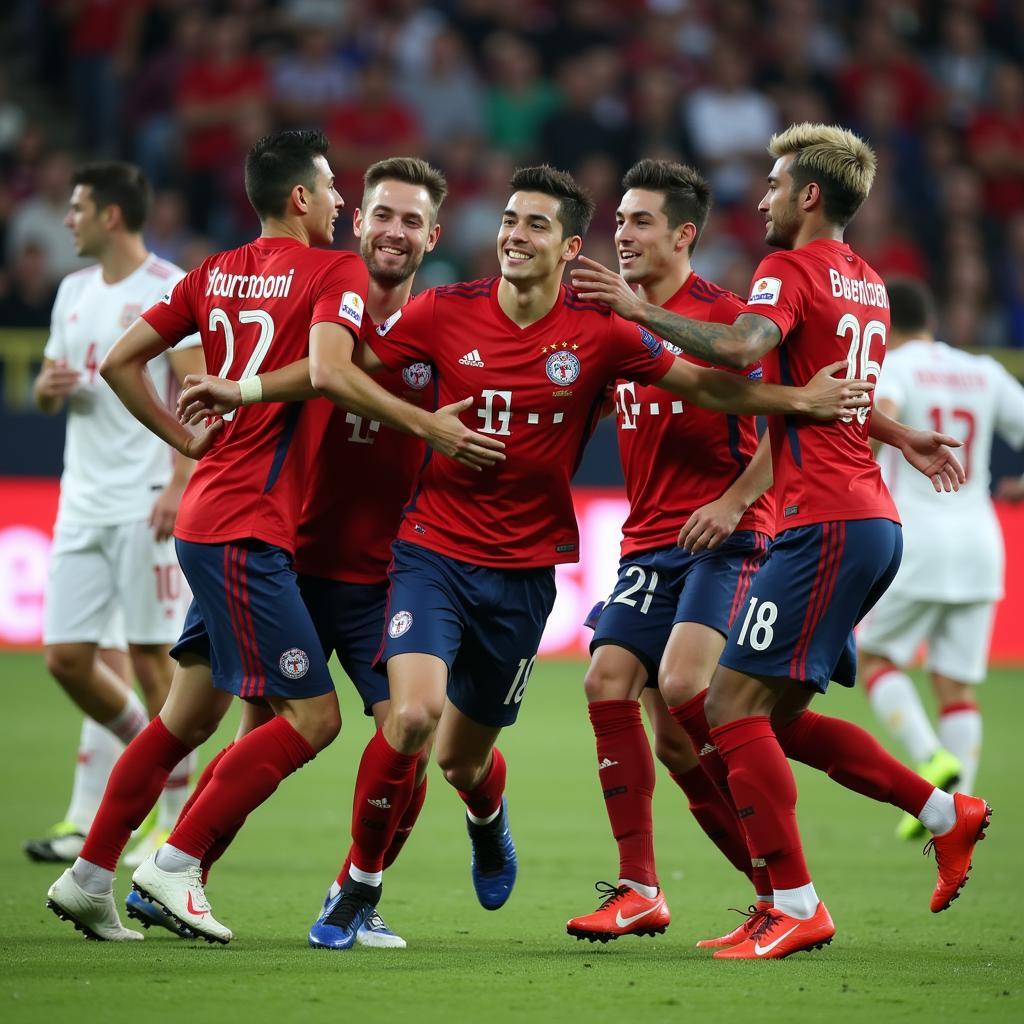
572,246
298,200
357,222
432,237
685,234
810,198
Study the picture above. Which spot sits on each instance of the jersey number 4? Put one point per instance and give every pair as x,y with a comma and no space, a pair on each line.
220,319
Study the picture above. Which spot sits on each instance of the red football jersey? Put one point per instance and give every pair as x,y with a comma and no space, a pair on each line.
350,540
253,307
677,456
829,305
538,389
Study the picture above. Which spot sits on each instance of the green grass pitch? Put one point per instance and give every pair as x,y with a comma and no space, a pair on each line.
891,960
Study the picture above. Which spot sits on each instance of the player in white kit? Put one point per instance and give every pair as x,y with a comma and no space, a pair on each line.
113,568
945,603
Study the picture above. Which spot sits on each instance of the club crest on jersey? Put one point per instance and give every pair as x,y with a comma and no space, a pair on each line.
400,624
130,313
417,375
562,367
294,663
765,291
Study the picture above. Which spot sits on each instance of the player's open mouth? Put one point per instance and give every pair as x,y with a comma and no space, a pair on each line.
517,255
389,251
628,255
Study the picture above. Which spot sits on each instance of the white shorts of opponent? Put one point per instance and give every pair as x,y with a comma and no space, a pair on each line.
96,571
957,636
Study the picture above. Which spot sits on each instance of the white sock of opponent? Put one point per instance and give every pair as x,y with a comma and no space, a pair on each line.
960,733
175,793
130,720
98,751
898,705
800,902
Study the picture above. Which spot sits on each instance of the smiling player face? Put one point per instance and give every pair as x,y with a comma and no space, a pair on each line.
530,243
394,230
323,204
646,246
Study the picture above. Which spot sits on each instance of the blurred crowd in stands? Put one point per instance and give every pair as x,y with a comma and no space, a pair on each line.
183,87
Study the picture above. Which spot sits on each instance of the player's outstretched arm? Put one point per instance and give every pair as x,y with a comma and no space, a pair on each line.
124,369
712,524
336,375
927,451
735,345
55,382
823,397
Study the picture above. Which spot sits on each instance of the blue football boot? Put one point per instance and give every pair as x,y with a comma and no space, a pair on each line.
148,914
343,916
493,866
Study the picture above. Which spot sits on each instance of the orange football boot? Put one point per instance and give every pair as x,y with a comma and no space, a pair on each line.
953,849
753,914
623,912
778,935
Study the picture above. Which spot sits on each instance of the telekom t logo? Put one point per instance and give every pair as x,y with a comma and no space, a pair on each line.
496,413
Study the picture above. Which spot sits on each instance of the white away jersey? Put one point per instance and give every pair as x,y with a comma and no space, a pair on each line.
953,549
113,465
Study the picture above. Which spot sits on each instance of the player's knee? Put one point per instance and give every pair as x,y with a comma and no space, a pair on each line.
462,774
677,686
69,664
412,723
601,684
320,732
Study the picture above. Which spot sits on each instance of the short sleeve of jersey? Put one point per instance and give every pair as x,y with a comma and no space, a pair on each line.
636,353
341,293
173,317
56,347
892,384
1010,410
779,291
405,336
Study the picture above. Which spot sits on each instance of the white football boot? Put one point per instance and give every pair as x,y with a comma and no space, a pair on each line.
181,894
93,915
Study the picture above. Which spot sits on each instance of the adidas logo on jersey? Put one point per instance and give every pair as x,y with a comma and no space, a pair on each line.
381,802
605,763
472,359
708,748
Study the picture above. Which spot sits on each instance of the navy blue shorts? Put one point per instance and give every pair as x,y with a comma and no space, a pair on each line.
656,589
484,624
248,620
817,583
349,619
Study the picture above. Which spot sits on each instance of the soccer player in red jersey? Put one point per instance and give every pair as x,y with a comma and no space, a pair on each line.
472,581
264,305
838,544
660,633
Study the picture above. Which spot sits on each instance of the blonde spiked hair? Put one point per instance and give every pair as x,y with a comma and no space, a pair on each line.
840,162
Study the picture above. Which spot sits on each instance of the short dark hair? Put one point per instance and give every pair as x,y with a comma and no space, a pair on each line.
277,163
575,206
686,193
412,171
911,306
114,183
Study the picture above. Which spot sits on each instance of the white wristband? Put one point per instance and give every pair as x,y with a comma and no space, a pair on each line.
251,390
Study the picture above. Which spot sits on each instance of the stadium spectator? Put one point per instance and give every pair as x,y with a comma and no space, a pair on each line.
996,143
962,66
310,80
27,291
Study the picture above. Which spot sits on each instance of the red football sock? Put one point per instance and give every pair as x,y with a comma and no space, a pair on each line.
625,769
202,782
217,849
693,720
855,759
383,789
716,816
483,801
764,791
406,823
246,776
132,791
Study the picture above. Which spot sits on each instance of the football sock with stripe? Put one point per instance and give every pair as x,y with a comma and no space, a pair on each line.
896,702
960,734
98,751
384,786
625,770
244,778
134,787
764,791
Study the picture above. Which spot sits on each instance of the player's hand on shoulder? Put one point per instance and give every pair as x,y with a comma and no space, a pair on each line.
203,395
596,283
57,380
710,525
165,510
1011,488
451,437
828,397
932,454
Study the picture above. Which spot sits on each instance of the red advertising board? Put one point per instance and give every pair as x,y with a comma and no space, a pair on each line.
28,508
